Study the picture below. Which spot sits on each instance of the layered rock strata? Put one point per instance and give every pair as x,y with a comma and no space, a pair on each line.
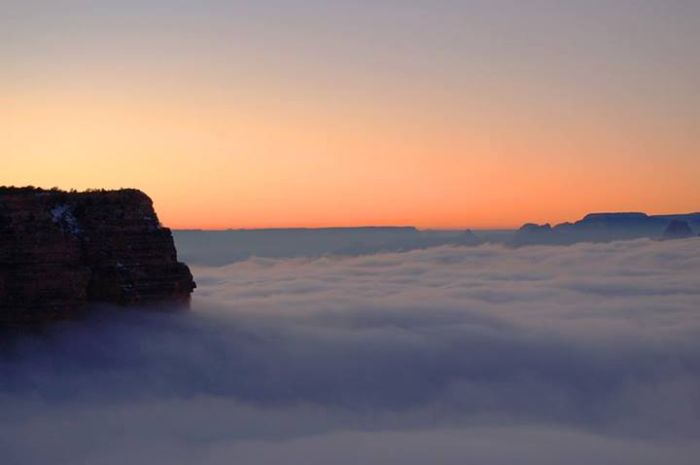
60,250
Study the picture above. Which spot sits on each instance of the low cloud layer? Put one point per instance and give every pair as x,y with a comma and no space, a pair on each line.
445,355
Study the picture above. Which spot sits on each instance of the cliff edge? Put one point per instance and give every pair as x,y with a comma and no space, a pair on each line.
60,250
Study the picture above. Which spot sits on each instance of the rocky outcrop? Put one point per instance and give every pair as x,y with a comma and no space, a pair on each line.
60,250
604,227
468,238
531,233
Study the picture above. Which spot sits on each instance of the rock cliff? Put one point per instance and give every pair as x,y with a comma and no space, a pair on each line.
60,250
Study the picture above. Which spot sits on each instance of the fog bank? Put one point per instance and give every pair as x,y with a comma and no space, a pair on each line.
445,355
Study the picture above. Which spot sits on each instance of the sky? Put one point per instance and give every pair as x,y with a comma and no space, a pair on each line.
439,114
446,355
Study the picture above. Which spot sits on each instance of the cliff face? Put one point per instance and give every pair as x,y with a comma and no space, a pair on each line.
60,250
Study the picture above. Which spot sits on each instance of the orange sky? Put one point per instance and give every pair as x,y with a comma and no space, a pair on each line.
340,134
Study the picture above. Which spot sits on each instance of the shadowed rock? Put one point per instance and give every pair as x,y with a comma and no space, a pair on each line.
61,250
531,233
605,227
677,229
469,238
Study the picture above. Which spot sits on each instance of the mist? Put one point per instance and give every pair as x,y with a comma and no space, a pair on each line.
588,353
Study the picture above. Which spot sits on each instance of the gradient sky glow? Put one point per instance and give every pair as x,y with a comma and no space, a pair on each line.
439,113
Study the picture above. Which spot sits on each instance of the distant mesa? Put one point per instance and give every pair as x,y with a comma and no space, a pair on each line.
605,227
61,250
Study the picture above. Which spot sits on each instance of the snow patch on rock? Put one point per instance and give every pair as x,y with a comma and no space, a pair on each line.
63,216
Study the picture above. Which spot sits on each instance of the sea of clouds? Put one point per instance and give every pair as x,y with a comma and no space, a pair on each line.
450,355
